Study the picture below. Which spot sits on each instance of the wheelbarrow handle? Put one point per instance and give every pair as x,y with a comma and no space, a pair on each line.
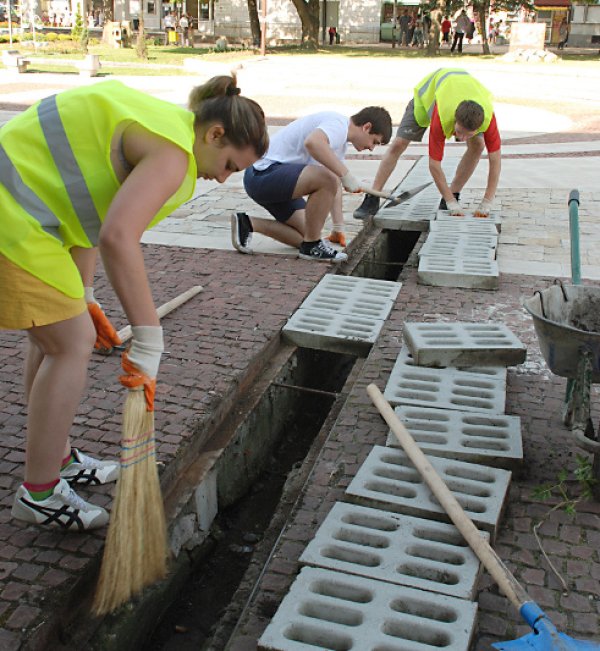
484,551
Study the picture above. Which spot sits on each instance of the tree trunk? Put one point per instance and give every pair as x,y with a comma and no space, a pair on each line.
481,13
107,8
254,22
436,16
308,11
141,48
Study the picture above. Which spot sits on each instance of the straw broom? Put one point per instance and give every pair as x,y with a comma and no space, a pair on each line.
136,549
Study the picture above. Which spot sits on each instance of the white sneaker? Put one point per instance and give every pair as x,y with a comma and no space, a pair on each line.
63,509
89,471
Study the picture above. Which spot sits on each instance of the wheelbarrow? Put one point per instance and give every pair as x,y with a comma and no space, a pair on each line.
567,324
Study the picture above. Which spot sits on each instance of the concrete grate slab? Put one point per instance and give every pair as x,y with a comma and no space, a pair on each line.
462,250
461,225
387,480
493,218
463,344
467,389
468,272
360,297
333,611
396,548
494,440
338,333
455,239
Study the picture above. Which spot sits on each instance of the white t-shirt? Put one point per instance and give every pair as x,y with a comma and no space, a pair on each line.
287,145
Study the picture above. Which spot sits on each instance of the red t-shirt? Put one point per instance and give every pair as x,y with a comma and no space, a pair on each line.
446,26
437,137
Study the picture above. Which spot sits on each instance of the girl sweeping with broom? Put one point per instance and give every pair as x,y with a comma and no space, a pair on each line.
95,167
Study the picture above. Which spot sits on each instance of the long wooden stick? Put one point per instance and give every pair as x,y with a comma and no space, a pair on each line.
484,551
126,333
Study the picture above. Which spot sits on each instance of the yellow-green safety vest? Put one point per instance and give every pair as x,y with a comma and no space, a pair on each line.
56,178
448,87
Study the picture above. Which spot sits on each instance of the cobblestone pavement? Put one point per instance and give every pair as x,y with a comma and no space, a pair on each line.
217,341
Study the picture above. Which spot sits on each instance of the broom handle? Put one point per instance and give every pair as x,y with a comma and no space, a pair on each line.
126,333
484,551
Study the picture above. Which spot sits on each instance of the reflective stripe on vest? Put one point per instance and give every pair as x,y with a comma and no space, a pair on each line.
69,169
26,198
423,90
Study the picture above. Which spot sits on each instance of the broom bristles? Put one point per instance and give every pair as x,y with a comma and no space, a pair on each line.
135,553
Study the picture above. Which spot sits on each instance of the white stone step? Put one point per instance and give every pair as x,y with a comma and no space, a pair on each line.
463,344
388,480
331,611
466,272
494,440
397,548
478,389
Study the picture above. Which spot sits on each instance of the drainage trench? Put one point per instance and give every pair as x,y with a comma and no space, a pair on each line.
259,476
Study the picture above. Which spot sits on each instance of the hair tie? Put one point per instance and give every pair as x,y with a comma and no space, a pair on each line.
232,90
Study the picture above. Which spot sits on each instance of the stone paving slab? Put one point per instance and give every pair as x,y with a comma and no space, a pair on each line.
390,547
493,440
329,610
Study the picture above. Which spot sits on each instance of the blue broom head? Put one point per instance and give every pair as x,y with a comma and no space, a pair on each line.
544,637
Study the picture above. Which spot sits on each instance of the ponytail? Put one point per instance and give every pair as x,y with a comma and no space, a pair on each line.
219,100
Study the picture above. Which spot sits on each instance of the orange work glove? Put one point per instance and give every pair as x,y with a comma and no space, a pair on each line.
106,335
135,378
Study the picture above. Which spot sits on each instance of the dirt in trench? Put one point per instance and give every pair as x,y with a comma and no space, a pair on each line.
189,622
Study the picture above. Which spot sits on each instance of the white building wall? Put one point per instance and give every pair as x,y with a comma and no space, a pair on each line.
359,21
585,24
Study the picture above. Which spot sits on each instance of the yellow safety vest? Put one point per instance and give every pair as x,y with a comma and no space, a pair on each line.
56,178
448,87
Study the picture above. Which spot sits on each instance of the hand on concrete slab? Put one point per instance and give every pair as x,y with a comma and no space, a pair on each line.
454,208
484,209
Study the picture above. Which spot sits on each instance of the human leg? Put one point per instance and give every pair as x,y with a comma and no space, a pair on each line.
54,392
337,235
321,186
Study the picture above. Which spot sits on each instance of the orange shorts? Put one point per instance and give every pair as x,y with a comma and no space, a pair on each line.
26,301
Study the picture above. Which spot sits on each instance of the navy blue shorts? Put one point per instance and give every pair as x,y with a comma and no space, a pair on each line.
274,187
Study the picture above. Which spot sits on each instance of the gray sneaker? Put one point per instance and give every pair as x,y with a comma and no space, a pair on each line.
64,509
89,471
368,207
321,252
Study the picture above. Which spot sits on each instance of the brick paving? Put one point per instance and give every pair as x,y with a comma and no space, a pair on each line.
216,342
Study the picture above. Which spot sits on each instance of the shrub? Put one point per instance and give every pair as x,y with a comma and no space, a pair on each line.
51,36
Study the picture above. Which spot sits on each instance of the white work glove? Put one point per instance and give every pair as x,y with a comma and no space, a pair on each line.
88,294
484,209
146,349
351,183
454,208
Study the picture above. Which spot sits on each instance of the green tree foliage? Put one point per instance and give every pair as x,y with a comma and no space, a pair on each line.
79,31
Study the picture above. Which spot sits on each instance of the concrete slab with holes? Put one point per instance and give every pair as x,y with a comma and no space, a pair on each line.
331,610
396,548
468,272
493,440
469,389
461,249
493,218
388,480
464,225
463,344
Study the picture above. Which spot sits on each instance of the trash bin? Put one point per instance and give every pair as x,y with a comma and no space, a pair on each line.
172,38
337,38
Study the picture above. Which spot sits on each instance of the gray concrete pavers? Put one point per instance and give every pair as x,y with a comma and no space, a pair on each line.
493,439
396,548
463,344
468,389
342,314
362,297
330,610
338,333
388,480
469,272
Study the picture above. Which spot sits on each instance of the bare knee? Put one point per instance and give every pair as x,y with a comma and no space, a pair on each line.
329,181
74,337
397,147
